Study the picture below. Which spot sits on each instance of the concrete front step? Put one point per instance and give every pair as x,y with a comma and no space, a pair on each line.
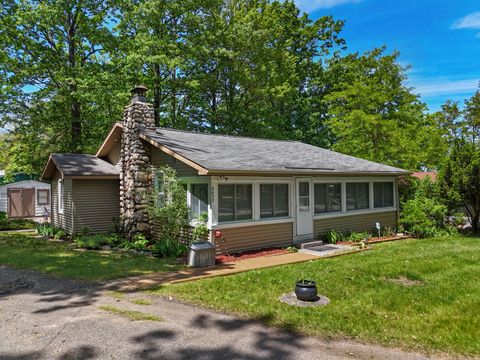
310,244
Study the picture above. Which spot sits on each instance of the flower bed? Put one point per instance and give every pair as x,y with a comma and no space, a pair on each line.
221,259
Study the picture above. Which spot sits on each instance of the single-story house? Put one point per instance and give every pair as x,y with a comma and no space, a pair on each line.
257,192
25,199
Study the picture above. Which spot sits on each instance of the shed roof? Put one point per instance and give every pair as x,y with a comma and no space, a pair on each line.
79,165
234,154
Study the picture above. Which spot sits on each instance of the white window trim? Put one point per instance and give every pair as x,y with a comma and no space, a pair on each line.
61,196
194,221
343,204
255,182
370,210
394,194
254,203
189,180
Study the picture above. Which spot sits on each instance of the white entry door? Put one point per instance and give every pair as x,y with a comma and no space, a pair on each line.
304,208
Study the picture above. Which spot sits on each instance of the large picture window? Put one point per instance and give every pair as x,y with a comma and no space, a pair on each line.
198,199
328,198
383,194
357,196
234,202
273,200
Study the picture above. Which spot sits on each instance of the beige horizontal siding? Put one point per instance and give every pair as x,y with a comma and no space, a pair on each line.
97,204
361,222
65,220
254,237
114,154
159,158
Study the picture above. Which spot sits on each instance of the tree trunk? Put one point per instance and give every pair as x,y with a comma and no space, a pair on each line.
156,95
475,221
75,107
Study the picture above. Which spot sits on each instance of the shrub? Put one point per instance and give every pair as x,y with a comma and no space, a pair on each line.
387,231
139,243
50,231
16,224
423,217
168,209
200,231
93,242
169,248
3,216
333,236
358,236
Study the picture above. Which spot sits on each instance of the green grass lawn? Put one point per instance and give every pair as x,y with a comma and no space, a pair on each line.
24,251
440,313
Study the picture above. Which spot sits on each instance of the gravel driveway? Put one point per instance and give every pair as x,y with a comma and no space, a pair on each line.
47,318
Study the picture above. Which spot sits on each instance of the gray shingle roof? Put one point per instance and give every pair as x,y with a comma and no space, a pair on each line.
232,153
83,165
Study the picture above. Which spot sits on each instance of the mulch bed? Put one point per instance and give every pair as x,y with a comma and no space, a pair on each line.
377,239
221,259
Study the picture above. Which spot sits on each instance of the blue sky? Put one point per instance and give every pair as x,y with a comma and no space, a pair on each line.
440,39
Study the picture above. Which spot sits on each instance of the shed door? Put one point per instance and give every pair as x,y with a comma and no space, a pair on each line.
21,202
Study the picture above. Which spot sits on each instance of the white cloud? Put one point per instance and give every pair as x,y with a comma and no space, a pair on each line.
438,87
471,21
312,5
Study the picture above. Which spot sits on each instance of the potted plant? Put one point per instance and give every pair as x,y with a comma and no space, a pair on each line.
306,290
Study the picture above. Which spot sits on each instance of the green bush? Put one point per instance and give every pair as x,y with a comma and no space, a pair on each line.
358,236
333,236
15,224
168,209
200,231
50,231
93,242
424,215
169,249
139,243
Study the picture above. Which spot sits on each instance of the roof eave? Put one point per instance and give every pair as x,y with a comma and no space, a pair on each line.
201,170
219,172
93,177
48,170
107,143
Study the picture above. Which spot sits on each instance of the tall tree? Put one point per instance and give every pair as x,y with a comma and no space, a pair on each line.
373,115
449,119
471,125
57,60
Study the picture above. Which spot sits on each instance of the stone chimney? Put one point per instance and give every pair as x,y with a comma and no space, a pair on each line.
136,174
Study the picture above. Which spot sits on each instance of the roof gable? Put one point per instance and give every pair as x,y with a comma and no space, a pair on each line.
79,165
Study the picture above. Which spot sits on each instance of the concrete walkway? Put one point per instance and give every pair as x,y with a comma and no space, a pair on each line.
135,283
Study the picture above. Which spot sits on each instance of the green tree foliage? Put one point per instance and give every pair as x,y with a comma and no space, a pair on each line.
259,68
373,115
460,180
424,214
58,80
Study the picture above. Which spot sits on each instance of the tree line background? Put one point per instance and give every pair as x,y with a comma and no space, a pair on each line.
257,68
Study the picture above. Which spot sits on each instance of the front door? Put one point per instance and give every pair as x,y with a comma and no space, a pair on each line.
304,209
